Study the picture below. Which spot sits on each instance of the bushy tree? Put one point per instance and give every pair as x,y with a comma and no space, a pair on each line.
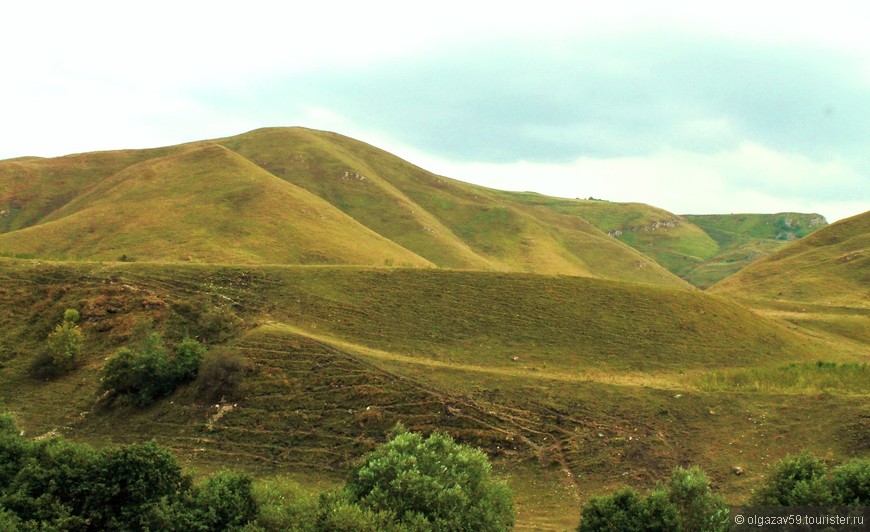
804,480
66,342
434,482
188,357
697,506
226,500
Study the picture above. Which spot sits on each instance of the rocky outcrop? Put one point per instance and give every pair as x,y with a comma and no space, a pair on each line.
660,224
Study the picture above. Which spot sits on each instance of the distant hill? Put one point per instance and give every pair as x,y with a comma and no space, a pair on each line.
672,241
743,238
830,267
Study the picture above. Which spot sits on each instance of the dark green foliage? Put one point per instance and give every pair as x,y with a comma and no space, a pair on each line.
804,480
54,484
795,481
435,481
64,348
623,511
220,377
697,506
850,483
149,373
188,357
685,502
226,500
338,511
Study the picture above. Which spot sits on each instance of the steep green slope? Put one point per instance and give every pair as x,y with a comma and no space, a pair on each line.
829,267
204,205
451,223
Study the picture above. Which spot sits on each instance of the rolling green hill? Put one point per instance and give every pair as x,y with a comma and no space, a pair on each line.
184,213
451,223
821,282
672,241
203,205
438,221
33,187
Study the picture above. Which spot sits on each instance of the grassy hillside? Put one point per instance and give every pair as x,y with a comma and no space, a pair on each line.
743,238
830,266
437,220
204,205
571,385
32,187
820,283
673,242
448,222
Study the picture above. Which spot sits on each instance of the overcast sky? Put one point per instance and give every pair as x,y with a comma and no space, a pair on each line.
695,107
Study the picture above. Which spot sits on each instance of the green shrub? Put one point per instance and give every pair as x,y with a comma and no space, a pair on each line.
55,484
64,348
620,511
685,502
850,483
188,357
149,373
434,481
795,481
697,506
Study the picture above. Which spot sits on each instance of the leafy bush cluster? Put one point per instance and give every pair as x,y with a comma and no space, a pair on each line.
64,348
54,484
410,483
804,480
148,372
685,502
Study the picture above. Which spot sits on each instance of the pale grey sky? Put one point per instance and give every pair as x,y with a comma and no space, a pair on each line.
689,106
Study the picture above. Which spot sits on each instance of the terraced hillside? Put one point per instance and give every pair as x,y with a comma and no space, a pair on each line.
574,384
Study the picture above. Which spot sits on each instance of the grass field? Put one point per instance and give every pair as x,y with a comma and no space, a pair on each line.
612,384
